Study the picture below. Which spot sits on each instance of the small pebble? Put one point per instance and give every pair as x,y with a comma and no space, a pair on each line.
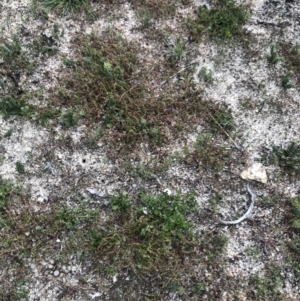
56,273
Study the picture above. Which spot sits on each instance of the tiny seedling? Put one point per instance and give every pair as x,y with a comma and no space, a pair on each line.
20,168
286,81
296,213
177,48
205,75
146,18
272,56
69,118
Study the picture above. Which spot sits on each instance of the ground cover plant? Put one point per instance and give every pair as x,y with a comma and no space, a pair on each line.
222,21
124,129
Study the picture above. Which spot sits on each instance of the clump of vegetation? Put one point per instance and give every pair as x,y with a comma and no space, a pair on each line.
153,232
207,153
12,106
223,21
107,82
66,6
205,75
268,285
287,158
272,56
5,190
20,168
286,81
296,213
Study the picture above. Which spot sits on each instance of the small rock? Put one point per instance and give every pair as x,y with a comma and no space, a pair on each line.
255,172
56,273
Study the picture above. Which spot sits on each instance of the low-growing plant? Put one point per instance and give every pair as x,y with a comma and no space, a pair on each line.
69,118
223,21
296,213
287,158
20,168
272,56
12,106
149,234
66,6
206,75
207,154
269,285
177,48
5,189
146,18
286,81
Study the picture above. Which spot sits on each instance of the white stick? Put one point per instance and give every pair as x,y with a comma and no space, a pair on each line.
248,211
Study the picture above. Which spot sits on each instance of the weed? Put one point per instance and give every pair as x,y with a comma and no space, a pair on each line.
142,171
149,233
286,81
12,106
5,190
92,139
48,113
44,45
146,19
221,119
269,284
8,133
70,63
207,154
254,252
296,213
177,49
223,21
292,59
20,168
215,200
69,118
272,56
57,32
205,75
66,6
287,158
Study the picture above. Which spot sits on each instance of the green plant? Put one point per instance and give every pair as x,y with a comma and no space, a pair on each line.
5,190
221,120
208,154
296,213
268,285
223,21
8,133
145,18
215,200
205,75
287,158
177,49
20,168
149,233
272,56
69,118
12,106
92,139
66,6
286,81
